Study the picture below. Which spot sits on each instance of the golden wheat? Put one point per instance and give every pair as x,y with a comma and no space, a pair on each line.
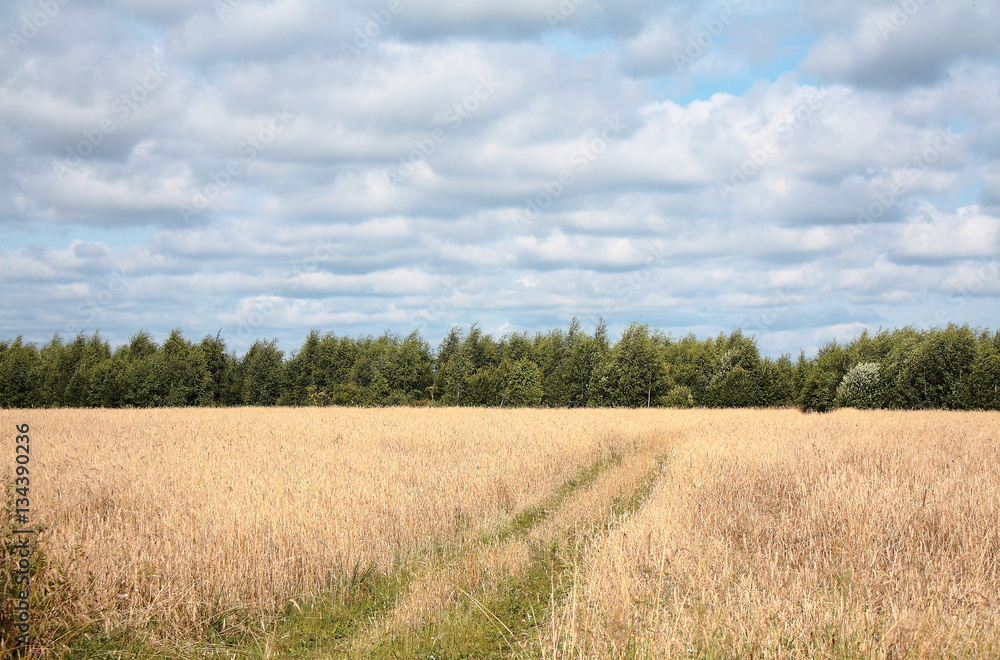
774,534
769,534
175,515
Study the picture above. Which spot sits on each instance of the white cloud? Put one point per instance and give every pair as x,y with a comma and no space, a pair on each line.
312,228
965,234
907,43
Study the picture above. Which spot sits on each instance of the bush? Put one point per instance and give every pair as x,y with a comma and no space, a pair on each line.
860,387
679,397
345,394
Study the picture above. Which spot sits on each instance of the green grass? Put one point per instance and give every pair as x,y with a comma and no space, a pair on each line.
328,621
495,627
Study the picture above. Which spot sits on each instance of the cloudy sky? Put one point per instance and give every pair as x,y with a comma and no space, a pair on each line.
804,170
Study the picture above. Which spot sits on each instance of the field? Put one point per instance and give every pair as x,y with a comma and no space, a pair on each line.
451,533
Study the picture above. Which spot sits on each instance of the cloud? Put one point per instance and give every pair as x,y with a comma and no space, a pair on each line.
989,195
837,191
965,234
894,46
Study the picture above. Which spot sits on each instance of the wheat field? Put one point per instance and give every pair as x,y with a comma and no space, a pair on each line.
773,534
666,533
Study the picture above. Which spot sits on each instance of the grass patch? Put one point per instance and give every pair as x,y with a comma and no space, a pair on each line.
497,626
329,621
523,521
324,622
623,506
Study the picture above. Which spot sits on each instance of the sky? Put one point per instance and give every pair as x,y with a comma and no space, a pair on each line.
801,170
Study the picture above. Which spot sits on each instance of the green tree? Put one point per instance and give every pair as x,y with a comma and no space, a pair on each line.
678,397
143,382
109,383
634,372
303,373
517,346
259,375
690,364
146,382
452,368
896,388
185,371
18,386
483,388
372,370
81,357
519,383
736,378
459,359
943,363
141,346
819,392
220,366
410,368
983,387
800,374
580,364
778,382
550,352
56,375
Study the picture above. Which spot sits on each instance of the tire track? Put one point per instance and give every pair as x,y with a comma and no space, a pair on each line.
491,601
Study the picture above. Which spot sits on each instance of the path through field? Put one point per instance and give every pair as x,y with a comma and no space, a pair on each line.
447,533
491,596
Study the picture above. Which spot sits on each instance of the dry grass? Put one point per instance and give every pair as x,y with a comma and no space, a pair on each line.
481,568
769,534
773,534
173,516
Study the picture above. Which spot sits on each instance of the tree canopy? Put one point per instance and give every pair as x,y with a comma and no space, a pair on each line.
955,368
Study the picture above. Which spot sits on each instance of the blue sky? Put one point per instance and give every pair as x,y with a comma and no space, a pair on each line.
804,170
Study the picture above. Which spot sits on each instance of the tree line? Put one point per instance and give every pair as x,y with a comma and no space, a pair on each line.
957,367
